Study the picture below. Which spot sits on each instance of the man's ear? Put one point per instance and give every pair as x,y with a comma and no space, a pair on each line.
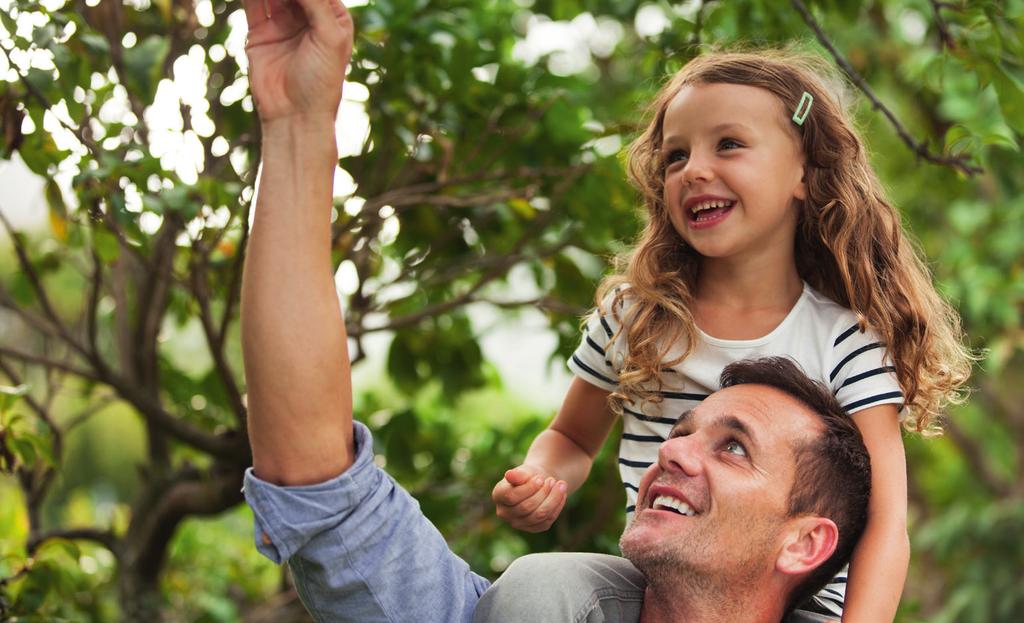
808,542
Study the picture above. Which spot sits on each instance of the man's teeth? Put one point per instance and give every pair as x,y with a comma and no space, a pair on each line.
666,502
708,205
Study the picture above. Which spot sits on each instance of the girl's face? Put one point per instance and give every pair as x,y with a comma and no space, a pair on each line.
733,168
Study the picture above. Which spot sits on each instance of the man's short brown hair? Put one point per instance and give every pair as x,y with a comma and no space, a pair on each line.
833,470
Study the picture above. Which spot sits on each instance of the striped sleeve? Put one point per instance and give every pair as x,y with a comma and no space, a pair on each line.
861,373
593,358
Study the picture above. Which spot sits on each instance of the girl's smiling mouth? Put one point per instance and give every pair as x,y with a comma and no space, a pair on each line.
707,211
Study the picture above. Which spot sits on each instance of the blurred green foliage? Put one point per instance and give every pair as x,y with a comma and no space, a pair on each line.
122,414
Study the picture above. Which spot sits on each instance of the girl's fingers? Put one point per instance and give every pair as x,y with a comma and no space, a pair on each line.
540,525
509,495
529,505
552,504
518,476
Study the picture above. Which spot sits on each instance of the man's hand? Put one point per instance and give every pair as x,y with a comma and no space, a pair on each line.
529,499
297,56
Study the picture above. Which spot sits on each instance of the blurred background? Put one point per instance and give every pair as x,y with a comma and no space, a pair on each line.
478,200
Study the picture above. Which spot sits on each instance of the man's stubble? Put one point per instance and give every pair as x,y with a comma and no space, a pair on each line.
700,565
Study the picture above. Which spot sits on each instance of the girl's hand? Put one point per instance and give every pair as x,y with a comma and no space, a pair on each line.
528,499
297,57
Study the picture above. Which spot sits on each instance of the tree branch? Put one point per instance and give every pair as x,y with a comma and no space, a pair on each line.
215,339
229,447
187,493
77,131
698,22
944,35
234,287
91,308
106,538
961,163
543,303
32,403
41,325
232,448
37,286
98,404
48,363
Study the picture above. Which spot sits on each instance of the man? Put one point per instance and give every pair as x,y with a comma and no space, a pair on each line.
730,522
358,546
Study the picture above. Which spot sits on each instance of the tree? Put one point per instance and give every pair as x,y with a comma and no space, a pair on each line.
475,166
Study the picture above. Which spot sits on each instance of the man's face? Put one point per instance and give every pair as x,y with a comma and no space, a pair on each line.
713,504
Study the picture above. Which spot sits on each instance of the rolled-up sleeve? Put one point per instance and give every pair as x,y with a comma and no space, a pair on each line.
359,547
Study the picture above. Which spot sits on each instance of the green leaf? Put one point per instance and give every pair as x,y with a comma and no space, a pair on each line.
1011,97
143,65
106,245
96,45
10,395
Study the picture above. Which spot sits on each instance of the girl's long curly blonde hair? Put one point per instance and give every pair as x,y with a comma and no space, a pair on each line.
850,245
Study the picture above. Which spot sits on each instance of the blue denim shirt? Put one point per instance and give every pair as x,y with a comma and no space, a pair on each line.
360,549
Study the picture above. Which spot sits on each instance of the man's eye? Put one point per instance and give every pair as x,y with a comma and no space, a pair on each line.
735,447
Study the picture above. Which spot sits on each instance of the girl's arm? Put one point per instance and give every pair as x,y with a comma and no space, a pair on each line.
531,496
879,565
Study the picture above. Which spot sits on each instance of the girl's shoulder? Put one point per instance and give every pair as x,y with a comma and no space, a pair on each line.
617,302
839,325
825,312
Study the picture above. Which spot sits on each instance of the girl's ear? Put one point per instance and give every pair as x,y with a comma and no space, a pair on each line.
807,544
800,192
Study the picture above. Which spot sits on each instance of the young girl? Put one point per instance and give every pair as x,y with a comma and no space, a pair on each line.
767,234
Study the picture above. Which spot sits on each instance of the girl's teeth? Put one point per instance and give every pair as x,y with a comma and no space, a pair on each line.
708,205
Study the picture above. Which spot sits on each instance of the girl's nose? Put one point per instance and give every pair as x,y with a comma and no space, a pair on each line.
697,170
681,454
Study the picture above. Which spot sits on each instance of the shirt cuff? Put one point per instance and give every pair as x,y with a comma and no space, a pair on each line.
288,517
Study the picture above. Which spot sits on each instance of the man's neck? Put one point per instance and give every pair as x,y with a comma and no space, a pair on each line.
681,605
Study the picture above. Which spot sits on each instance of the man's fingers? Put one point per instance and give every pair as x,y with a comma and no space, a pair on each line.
259,11
328,17
276,19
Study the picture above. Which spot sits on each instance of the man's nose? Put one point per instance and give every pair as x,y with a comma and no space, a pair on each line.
681,454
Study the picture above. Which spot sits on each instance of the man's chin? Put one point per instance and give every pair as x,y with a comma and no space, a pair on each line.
640,541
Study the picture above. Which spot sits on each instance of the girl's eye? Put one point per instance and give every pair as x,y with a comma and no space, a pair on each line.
674,156
735,447
728,143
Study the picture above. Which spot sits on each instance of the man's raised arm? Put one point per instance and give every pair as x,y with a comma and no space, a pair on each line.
293,334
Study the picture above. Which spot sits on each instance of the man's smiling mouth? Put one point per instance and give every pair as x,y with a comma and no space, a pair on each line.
675,505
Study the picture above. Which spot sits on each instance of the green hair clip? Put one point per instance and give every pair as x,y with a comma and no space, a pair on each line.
801,110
